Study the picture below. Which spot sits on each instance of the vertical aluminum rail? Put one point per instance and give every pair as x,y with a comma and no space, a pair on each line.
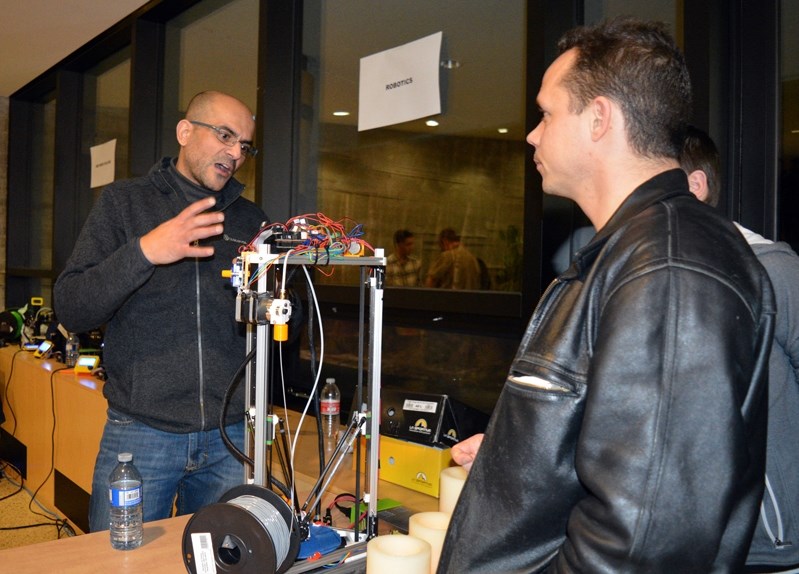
248,392
375,358
262,382
262,374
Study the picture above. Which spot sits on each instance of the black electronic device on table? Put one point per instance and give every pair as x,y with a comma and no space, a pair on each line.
427,418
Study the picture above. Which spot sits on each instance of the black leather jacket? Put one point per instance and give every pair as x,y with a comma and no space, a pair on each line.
630,434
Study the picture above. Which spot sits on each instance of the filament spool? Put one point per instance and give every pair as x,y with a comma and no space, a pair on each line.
252,530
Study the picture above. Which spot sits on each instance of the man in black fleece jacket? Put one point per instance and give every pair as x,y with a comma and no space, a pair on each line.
148,265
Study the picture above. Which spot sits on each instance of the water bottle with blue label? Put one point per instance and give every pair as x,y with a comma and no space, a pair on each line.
125,493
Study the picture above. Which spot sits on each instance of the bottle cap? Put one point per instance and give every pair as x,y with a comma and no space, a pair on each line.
124,457
330,380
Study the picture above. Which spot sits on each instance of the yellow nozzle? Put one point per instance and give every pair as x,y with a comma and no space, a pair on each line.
280,332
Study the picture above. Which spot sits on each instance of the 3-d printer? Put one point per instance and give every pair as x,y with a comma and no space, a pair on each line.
252,528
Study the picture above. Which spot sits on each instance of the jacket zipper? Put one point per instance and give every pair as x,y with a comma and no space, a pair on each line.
199,343
778,540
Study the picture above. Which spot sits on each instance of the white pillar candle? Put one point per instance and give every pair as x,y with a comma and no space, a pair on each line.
397,554
430,527
452,479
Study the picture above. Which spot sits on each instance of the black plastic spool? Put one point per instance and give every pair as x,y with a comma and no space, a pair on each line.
241,543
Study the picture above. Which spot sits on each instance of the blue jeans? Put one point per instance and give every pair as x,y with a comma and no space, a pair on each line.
197,468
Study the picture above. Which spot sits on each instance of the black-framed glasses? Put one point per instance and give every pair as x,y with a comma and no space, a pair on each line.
228,138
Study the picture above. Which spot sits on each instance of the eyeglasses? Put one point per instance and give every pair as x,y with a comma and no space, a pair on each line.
228,138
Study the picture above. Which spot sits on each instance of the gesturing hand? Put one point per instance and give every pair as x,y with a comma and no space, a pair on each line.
175,238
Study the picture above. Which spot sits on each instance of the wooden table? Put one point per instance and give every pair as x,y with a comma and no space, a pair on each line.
161,551
80,415
58,416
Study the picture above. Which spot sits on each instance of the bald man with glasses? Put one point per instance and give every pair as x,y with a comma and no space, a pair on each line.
147,267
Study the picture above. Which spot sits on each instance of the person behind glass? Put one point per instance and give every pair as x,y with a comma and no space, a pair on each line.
147,265
402,268
630,433
455,267
775,545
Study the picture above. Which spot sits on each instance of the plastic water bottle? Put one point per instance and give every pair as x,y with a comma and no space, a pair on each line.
330,406
125,493
72,350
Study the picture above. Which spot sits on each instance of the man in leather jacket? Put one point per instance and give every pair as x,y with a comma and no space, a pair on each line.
630,434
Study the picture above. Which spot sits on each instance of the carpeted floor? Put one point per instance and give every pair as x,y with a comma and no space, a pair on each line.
23,521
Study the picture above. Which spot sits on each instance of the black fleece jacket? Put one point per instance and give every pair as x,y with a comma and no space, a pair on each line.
171,344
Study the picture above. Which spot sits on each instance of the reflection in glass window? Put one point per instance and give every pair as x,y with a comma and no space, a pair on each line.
463,172
211,46
466,173
789,97
660,10
107,92
470,369
42,168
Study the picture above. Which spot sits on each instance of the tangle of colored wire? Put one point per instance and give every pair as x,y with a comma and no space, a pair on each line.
315,236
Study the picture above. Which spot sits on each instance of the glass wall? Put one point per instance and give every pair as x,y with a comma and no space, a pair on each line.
211,46
42,169
788,206
461,169
37,257
107,109
662,10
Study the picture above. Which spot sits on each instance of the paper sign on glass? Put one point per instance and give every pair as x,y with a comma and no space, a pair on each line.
103,163
400,84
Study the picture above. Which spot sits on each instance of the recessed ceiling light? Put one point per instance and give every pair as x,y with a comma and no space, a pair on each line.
341,113
431,123
502,130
